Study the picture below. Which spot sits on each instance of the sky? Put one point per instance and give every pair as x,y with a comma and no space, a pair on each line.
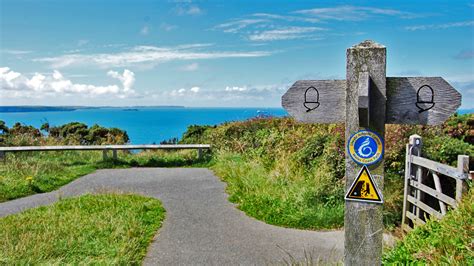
217,53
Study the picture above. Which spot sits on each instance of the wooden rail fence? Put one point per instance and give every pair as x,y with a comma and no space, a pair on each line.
105,148
431,188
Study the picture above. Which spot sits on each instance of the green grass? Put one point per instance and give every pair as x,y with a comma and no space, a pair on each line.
24,174
449,241
29,173
91,229
291,174
290,200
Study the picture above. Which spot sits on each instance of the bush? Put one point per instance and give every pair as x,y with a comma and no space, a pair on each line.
67,134
446,149
195,134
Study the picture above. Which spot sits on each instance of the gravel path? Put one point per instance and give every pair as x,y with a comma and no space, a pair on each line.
201,225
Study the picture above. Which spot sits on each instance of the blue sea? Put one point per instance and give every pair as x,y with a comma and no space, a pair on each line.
143,125
146,125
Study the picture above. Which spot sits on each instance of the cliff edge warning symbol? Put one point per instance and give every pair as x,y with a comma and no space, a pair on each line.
364,188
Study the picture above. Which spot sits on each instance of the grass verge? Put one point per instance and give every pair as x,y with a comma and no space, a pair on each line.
23,174
445,242
290,200
91,229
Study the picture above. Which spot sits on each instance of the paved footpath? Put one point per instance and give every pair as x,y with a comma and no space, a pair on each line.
201,226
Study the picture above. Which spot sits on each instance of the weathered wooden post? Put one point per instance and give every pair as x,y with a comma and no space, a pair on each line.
104,155
463,168
414,147
114,154
366,101
199,153
363,221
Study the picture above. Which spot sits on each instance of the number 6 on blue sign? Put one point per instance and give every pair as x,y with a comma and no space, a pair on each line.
365,147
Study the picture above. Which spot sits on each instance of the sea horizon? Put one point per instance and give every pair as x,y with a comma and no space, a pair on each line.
459,111
143,125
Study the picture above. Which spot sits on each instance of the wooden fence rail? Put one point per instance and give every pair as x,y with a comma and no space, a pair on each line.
426,197
105,148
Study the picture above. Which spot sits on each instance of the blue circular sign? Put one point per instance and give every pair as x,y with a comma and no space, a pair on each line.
365,147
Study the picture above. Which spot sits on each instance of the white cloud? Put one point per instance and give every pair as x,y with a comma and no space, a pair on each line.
236,25
127,79
57,75
15,52
194,10
260,21
262,27
441,26
190,67
16,85
188,9
145,55
236,88
168,27
182,92
6,75
246,95
351,13
145,30
179,92
261,95
82,42
287,18
289,33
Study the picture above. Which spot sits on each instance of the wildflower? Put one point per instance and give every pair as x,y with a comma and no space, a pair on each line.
29,179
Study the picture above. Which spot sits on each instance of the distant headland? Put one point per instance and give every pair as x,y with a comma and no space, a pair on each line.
34,108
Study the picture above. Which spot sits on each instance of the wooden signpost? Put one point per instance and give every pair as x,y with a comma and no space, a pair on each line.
410,100
365,102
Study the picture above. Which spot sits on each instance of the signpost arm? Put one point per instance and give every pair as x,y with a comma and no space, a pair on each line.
363,221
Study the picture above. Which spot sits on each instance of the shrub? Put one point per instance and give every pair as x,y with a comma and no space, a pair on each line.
445,149
67,134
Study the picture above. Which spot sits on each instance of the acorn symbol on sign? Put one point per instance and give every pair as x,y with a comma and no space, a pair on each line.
425,98
311,99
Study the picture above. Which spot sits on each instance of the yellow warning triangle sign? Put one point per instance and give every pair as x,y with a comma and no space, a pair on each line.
364,188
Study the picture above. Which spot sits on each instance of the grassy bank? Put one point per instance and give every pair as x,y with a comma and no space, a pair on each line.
28,173
91,229
281,198
291,174
445,242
